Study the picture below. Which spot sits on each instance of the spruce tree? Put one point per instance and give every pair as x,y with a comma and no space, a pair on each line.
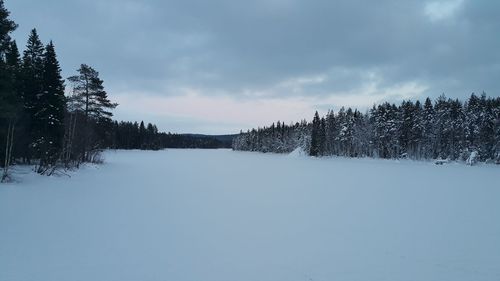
407,125
487,132
347,133
382,127
49,124
429,133
32,83
322,137
497,130
331,133
457,132
151,132
7,26
442,126
472,123
342,131
142,136
10,100
315,136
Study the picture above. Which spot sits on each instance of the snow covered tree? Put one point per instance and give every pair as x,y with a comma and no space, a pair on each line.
407,123
415,141
447,129
428,130
343,134
322,136
457,132
386,130
331,133
496,113
361,135
473,121
487,129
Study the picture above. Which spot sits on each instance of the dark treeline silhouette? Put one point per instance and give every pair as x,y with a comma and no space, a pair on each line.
132,135
446,129
41,126
32,103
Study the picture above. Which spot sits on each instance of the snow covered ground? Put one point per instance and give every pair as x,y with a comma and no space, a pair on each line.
217,215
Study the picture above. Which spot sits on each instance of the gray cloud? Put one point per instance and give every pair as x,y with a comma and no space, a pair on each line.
274,47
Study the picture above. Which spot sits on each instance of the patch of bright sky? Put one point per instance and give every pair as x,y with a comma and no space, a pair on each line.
442,10
218,111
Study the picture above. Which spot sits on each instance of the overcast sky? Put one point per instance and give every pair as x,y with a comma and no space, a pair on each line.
223,65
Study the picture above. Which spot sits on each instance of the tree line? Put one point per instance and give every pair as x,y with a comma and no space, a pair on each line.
134,135
42,125
39,124
444,129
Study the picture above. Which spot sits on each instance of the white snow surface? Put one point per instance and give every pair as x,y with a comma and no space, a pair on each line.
217,215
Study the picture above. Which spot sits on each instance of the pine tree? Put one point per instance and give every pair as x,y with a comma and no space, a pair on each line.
429,133
363,135
90,95
151,135
347,136
322,136
7,26
49,123
90,98
13,59
383,130
416,134
342,133
374,131
315,136
32,83
9,102
442,126
142,135
496,109
407,124
457,132
331,133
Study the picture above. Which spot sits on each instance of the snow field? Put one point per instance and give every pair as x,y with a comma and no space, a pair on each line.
216,215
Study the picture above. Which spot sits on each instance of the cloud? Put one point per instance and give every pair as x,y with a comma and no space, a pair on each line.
215,113
442,9
243,53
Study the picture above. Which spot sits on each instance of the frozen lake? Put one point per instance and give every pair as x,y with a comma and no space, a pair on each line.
219,215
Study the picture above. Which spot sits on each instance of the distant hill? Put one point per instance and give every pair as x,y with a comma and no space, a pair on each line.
226,140
217,137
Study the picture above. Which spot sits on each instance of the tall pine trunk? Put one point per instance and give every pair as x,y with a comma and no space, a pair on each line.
8,149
